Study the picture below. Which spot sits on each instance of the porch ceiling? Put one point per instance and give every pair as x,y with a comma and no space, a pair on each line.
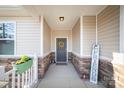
52,13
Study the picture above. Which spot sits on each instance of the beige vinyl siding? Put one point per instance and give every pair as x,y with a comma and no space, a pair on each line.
108,30
46,38
76,38
27,34
89,33
61,33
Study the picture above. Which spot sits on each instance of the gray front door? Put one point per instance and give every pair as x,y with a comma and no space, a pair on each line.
61,49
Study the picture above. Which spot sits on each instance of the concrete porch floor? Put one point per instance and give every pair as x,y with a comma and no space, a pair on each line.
65,76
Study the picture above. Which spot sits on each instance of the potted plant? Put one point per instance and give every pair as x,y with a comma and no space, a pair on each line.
23,64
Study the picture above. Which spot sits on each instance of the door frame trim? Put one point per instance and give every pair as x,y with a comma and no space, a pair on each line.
56,47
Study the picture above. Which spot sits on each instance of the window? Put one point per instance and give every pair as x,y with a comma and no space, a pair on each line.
7,38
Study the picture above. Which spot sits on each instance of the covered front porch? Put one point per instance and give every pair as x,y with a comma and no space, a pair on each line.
62,64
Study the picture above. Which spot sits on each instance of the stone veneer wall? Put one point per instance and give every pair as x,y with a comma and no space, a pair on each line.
118,75
82,65
105,72
111,75
53,57
7,62
69,56
43,65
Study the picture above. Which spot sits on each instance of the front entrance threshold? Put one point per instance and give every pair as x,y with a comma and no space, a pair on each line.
61,63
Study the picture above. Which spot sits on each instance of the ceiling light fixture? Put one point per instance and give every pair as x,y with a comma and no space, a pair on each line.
61,18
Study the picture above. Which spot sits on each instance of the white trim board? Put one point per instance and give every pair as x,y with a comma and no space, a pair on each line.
89,56
15,40
16,56
122,29
105,58
55,47
44,55
81,36
41,32
76,54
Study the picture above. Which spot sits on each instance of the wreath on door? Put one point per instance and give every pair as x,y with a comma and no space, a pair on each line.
61,44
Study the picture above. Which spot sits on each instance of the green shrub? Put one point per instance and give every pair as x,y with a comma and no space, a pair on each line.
25,58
